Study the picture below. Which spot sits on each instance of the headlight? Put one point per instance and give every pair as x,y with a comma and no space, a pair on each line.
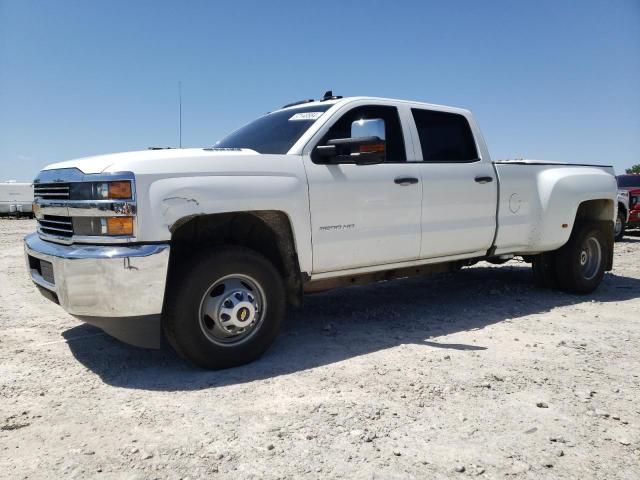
110,226
114,190
118,190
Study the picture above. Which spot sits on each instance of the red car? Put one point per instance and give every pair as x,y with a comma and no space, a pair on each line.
631,183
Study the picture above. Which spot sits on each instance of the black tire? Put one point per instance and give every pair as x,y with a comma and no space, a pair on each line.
621,224
182,324
571,272
544,270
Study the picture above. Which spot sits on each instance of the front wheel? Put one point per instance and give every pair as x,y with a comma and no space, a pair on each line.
225,308
619,227
581,262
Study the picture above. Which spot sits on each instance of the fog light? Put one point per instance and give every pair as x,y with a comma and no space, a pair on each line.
120,226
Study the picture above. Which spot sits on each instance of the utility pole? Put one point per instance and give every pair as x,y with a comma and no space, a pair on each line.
180,114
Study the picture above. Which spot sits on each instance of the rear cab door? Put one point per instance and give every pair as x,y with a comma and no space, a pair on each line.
459,183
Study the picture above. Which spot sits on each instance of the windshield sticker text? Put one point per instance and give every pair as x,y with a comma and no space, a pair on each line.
305,116
337,227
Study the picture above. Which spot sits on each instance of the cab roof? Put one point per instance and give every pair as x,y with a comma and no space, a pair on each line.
345,100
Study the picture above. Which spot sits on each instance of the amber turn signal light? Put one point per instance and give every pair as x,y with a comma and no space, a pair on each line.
120,190
372,148
120,226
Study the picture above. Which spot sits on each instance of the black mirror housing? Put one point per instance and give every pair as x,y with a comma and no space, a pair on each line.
371,150
326,151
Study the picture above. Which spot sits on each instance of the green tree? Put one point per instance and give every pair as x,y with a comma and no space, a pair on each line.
634,169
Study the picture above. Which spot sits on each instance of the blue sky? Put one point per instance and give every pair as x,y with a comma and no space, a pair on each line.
557,80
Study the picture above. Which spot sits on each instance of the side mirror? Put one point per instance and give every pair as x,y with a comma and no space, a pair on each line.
372,127
364,150
366,146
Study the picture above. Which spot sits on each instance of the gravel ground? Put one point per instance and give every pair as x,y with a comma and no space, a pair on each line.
472,374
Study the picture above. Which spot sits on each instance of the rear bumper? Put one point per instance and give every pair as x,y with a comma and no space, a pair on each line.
118,288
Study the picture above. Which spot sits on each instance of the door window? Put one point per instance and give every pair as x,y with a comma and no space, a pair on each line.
444,137
395,151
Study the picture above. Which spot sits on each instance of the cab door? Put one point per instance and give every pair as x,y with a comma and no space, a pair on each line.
364,215
460,190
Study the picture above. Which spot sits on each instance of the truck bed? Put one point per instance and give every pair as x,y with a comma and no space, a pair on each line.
538,200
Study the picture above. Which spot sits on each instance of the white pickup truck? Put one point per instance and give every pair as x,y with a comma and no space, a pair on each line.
210,245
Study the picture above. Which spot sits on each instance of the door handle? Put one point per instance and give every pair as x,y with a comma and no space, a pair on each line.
404,181
484,179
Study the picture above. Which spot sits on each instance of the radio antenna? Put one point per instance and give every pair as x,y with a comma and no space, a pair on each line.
180,114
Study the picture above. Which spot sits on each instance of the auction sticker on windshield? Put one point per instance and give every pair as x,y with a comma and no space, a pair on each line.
305,116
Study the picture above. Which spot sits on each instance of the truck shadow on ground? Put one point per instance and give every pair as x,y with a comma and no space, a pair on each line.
347,323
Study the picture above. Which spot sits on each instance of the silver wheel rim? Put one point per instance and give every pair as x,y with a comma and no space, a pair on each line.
590,258
618,227
232,310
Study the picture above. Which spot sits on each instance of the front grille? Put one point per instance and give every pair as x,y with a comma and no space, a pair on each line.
55,225
51,191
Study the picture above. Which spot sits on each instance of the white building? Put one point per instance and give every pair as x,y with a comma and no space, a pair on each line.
16,198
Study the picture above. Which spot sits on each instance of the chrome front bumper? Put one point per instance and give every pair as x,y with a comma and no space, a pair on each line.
113,287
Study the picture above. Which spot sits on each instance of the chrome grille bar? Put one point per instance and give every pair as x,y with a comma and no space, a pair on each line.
62,230
53,191
53,225
59,222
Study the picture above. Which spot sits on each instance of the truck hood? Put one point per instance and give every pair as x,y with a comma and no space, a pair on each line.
115,162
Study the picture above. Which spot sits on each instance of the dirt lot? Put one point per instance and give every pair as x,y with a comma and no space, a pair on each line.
472,374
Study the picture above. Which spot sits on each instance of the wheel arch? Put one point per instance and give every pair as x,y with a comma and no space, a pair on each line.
601,209
268,232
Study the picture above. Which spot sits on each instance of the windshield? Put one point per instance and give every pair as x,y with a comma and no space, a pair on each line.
275,132
629,181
